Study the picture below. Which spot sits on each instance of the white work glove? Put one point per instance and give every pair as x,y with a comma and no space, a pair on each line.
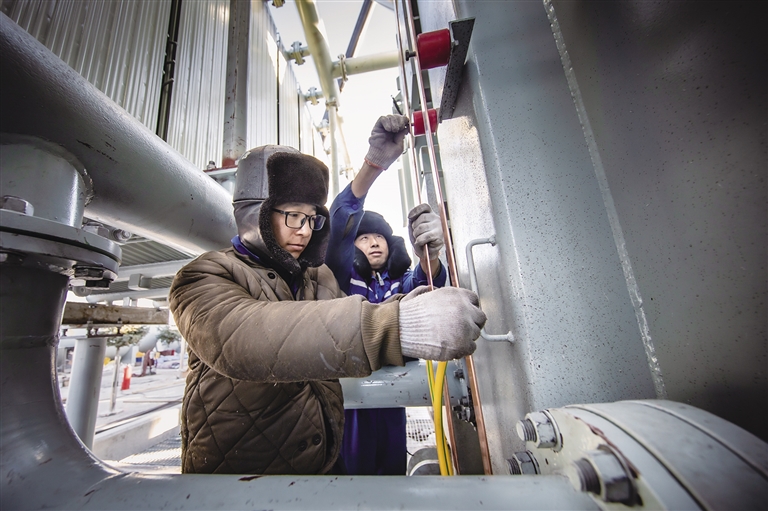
441,324
424,228
386,140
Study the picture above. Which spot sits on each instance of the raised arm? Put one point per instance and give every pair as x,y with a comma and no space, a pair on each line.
385,146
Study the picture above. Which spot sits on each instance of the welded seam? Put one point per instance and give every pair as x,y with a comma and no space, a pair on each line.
613,217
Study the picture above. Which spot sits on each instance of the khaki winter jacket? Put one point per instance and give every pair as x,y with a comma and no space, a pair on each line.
262,395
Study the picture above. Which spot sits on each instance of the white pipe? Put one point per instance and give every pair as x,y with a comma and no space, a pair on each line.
332,125
321,55
366,64
149,294
84,387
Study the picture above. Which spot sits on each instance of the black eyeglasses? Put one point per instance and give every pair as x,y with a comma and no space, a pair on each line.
297,219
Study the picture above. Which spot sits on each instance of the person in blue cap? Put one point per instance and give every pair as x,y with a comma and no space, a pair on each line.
368,260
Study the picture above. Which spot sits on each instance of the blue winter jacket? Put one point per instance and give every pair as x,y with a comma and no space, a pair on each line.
346,214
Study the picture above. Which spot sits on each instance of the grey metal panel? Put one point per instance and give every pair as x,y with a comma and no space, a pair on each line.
515,163
262,82
307,132
197,104
288,104
117,46
676,96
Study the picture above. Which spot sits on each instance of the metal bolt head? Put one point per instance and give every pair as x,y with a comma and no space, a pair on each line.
13,203
523,463
119,235
604,473
539,429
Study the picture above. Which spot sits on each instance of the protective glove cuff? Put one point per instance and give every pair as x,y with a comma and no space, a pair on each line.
380,158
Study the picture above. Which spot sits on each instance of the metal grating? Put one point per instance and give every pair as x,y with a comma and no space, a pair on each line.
145,252
165,457
419,429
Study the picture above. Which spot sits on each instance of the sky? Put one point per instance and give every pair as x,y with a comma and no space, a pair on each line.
365,97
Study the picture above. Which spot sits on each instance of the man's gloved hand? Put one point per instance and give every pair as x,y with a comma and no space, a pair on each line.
424,228
441,324
386,140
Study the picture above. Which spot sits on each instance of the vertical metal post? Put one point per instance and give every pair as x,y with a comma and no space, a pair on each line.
332,127
115,380
448,245
85,386
236,102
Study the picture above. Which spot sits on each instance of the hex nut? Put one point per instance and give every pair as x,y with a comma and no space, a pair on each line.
523,463
17,204
119,235
603,473
539,429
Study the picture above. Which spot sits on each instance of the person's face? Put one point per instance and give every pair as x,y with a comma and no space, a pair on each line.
292,240
375,248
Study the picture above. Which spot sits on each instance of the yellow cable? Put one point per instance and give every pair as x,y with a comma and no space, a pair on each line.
436,383
440,384
437,406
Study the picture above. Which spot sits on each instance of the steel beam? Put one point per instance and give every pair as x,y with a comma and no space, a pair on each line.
83,314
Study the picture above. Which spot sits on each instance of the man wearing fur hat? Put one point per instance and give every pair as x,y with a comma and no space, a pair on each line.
269,331
368,260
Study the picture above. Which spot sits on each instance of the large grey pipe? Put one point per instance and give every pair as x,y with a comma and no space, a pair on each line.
141,184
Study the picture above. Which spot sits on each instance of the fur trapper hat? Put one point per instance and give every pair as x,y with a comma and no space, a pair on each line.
291,177
398,261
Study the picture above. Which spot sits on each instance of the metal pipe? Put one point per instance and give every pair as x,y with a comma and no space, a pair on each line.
40,449
149,294
481,433
392,386
321,54
84,387
318,46
332,125
358,65
140,183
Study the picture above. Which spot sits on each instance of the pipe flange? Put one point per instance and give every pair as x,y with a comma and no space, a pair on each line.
60,248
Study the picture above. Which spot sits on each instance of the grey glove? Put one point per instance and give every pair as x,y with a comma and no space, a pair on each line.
440,325
386,140
424,228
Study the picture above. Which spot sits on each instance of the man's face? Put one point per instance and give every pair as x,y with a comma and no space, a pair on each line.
294,241
375,248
